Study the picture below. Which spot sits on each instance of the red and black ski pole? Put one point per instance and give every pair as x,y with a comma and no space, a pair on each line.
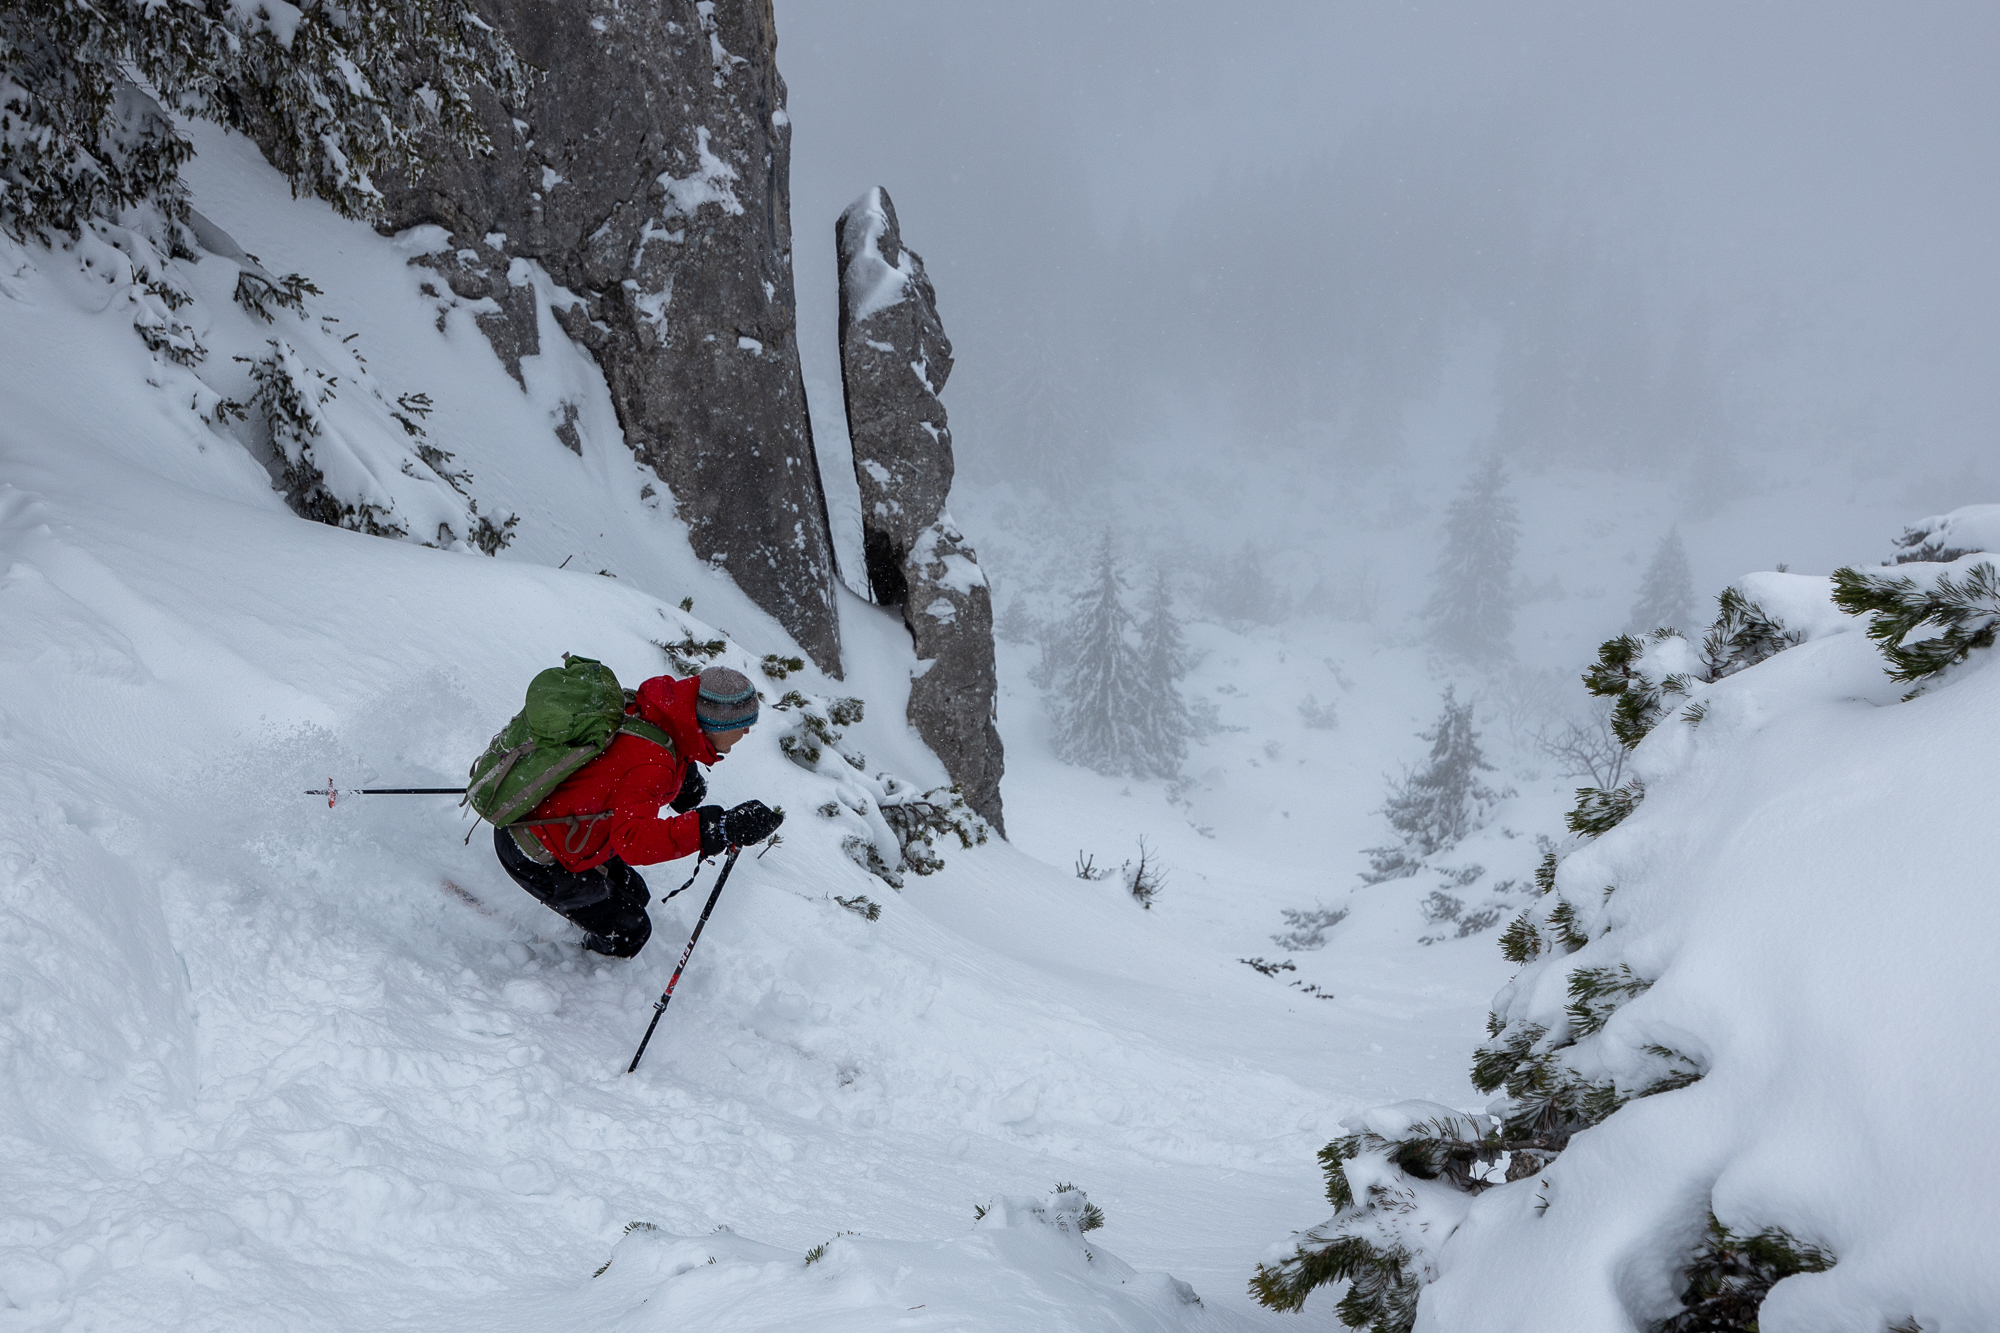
660,1005
331,792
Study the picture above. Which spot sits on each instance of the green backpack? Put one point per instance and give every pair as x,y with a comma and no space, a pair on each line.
572,714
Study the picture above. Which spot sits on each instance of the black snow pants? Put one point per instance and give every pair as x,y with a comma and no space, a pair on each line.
609,902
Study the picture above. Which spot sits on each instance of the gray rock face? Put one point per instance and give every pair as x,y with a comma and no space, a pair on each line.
894,359
649,172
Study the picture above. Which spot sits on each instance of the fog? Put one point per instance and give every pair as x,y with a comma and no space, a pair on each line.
1734,260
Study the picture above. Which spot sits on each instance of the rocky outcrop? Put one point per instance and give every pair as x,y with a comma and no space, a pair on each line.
647,170
894,359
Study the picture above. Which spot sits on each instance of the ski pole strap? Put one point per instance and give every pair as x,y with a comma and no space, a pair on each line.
699,862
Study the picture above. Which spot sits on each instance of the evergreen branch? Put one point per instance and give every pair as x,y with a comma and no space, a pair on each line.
1743,635
1729,1276
1967,610
1598,811
1596,992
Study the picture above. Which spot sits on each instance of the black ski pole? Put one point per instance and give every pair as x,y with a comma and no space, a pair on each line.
660,1005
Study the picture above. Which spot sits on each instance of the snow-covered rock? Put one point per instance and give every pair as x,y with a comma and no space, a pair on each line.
894,360
1946,537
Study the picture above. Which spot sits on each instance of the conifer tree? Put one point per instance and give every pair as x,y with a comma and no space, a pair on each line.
1436,806
1666,594
1242,591
1163,657
1471,609
1015,624
1099,679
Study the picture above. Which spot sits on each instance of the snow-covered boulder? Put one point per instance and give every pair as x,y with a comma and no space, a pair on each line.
1946,537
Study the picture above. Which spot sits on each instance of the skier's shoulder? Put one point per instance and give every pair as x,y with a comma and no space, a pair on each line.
667,700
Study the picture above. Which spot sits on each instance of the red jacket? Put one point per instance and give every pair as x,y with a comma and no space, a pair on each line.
632,780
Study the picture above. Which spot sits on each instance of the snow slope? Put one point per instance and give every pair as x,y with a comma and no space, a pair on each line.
269,1064
1807,887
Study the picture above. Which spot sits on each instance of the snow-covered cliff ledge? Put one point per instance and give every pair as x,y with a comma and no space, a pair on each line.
1749,1058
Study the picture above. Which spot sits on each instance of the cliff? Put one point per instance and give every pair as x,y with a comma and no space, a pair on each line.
647,170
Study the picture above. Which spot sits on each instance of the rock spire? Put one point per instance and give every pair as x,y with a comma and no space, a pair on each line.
894,359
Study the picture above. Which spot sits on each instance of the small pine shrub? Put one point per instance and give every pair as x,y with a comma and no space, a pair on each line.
1594,992
288,398
486,535
1306,930
862,906
1730,1275
688,655
1521,943
1966,609
1090,1217
259,293
1318,716
1636,705
1562,921
1598,811
862,852
1742,636
777,667
921,819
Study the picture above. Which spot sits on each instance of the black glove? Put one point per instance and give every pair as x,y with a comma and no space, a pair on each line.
752,821
693,787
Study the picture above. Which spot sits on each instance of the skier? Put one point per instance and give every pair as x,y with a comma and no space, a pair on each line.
582,868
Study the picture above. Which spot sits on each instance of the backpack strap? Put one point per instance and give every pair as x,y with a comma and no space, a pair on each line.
646,731
580,828
531,846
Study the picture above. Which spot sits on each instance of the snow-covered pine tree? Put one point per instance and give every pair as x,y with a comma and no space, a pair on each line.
1015,624
1471,608
1099,680
1163,657
333,92
1666,593
1435,807
1241,590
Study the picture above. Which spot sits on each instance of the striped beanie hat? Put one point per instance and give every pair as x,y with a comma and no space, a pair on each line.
726,700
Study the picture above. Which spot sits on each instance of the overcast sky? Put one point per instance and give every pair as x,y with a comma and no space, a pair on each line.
1661,237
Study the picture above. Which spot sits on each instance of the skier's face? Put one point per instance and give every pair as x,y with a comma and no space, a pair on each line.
722,740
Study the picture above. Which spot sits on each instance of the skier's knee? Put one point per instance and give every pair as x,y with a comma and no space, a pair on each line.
623,941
